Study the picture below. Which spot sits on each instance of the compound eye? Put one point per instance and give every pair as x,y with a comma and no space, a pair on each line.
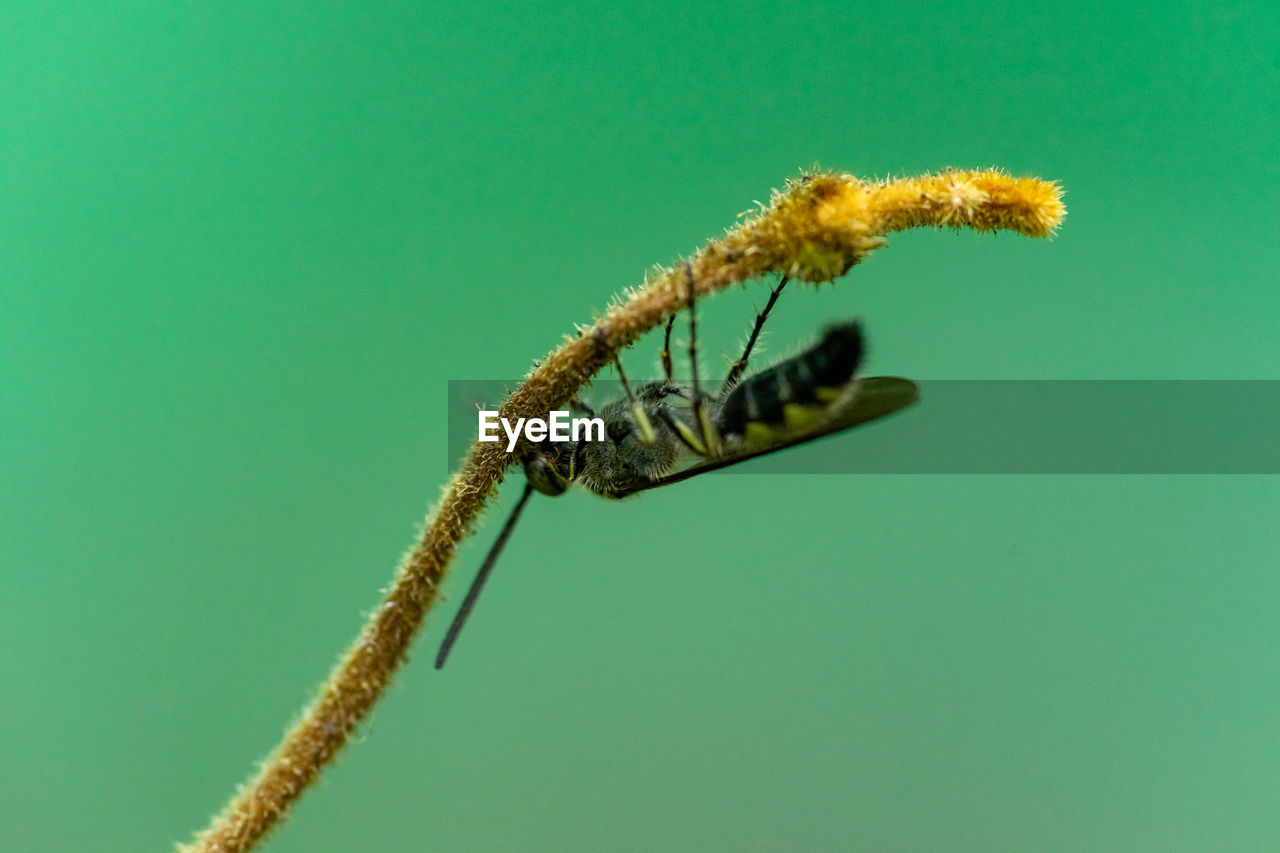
543,476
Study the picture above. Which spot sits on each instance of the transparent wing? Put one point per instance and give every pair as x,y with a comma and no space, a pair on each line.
877,397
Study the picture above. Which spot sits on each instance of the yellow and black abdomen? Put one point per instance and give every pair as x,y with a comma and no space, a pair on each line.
792,394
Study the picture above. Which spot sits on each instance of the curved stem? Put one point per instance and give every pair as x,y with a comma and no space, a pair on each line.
815,229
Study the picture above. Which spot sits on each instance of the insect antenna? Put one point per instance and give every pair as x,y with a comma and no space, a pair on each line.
740,365
699,410
460,618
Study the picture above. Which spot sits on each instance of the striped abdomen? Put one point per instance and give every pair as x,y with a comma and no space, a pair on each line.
795,392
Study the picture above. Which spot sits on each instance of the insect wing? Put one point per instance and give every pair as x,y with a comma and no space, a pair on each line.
877,397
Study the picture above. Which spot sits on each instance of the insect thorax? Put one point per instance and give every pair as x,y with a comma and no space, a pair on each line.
624,458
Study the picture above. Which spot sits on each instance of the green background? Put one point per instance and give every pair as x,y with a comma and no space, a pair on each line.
242,251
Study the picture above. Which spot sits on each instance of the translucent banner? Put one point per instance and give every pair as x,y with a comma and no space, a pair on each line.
1009,427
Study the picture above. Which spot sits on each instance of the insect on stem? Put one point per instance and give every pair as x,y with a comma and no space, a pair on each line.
819,226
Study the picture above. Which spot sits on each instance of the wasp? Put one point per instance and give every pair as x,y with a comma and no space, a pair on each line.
650,432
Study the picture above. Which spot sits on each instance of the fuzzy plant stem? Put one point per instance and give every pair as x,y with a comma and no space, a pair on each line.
813,230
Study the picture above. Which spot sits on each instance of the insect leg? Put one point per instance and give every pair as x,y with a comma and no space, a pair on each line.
684,432
666,348
642,420
740,365
460,618
700,415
